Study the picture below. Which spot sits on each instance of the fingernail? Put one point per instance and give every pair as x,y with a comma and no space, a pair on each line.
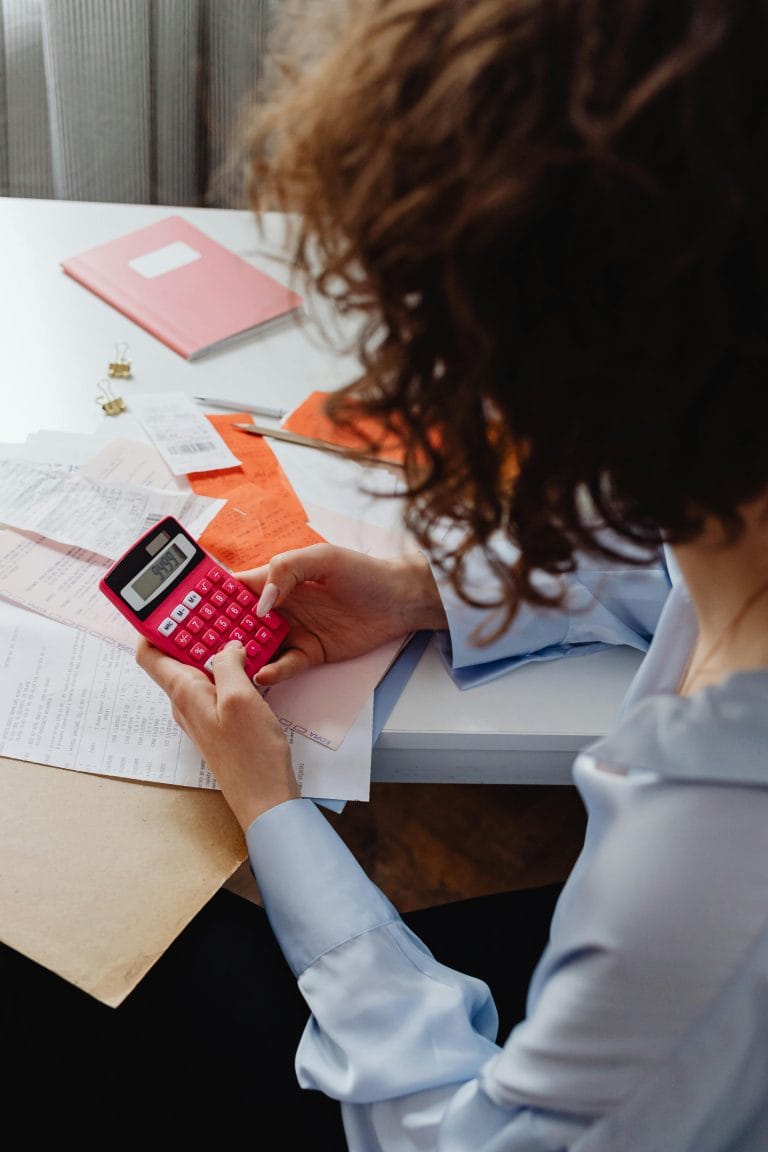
267,599
234,644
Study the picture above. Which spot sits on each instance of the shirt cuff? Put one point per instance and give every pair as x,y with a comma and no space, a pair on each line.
314,892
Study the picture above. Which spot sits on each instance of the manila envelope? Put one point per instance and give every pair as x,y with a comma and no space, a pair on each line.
99,875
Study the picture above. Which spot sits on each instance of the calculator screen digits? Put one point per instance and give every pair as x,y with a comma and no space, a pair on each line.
156,574
154,567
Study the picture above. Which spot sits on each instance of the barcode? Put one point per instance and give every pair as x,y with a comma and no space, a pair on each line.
201,446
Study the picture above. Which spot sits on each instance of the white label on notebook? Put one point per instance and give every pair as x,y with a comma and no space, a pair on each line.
165,259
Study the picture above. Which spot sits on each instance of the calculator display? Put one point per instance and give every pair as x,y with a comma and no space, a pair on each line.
153,577
153,568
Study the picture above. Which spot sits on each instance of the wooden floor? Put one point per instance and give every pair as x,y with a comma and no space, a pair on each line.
427,844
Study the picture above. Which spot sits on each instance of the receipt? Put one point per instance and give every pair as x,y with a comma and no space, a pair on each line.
183,436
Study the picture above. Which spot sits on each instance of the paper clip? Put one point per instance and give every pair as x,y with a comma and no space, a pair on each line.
120,367
111,404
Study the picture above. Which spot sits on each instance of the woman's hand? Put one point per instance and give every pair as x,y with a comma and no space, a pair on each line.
341,604
233,728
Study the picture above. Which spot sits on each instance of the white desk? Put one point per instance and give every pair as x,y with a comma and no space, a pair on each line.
55,341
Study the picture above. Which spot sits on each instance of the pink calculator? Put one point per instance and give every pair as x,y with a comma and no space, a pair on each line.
187,604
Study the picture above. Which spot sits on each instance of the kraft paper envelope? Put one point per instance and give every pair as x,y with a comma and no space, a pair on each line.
98,875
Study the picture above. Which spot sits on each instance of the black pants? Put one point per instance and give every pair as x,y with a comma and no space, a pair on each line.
202,1050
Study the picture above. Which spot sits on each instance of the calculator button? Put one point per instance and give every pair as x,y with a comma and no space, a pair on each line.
215,575
252,648
237,634
203,587
165,627
230,586
210,638
183,639
272,620
179,612
222,624
263,636
207,611
245,598
192,599
194,625
234,611
208,666
198,651
217,597
248,623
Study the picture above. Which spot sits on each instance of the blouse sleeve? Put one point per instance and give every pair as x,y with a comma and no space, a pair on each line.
397,1037
606,603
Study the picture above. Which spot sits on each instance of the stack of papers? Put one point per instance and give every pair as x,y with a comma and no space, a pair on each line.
74,697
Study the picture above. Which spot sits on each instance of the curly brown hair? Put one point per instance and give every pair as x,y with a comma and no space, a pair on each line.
553,217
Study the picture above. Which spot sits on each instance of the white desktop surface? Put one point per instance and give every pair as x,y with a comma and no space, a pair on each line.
56,339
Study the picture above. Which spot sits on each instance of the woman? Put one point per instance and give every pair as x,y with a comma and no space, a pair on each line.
553,217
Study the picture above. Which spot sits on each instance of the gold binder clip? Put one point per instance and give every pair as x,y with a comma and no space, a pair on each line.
120,367
111,404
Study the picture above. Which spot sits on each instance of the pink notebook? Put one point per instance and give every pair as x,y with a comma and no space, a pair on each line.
182,286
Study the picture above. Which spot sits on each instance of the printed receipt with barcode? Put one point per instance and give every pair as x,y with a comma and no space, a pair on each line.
186,440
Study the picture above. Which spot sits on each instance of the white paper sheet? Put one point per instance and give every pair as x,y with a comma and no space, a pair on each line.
323,703
61,582
103,517
77,702
341,774
68,453
343,486
126,461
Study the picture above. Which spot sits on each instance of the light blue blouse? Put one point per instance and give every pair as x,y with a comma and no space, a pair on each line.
647,1017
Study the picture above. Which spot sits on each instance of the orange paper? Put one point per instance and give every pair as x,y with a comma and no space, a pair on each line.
309,419
263,515
254,526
